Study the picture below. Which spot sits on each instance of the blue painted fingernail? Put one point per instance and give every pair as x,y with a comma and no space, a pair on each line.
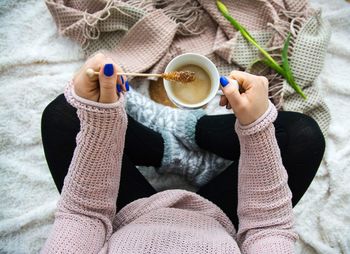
108,70
121,77
119,88
224,81
127,86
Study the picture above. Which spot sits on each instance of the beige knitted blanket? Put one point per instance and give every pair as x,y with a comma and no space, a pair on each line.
144,35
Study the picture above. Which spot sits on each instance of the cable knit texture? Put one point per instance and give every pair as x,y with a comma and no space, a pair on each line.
173,221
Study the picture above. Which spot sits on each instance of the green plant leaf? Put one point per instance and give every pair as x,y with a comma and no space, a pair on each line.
288,75
268,63
285,63
283,70
222,8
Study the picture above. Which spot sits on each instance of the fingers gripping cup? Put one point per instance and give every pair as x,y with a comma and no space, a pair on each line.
198,93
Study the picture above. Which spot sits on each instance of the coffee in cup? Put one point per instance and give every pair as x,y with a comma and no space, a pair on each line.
194,94
195,91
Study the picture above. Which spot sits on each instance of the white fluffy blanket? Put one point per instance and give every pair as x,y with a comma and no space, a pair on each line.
36,62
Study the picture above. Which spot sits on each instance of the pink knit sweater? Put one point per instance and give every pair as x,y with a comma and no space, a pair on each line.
173,221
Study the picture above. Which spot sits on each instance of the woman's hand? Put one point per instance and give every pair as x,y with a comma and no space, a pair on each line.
252,103
103,87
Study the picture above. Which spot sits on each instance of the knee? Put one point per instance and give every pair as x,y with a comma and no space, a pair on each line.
57,111
49,112
306,134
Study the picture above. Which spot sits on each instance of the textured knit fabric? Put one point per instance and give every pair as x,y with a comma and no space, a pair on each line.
173,221
197,166
145,147
146,35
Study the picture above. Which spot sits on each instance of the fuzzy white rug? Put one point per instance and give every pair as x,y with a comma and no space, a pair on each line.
35,63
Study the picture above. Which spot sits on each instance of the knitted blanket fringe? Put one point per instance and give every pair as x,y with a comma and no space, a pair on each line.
187,14
296,19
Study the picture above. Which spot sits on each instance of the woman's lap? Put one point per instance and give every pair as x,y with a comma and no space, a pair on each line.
298,136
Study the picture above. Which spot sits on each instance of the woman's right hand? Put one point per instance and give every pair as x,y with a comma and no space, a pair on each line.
103,87
252,103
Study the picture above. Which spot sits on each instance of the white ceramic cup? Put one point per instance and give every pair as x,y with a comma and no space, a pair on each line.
198,60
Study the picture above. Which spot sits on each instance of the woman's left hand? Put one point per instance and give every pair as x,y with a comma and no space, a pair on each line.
103,87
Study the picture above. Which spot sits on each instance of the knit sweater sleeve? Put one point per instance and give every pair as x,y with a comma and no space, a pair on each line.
264,198
83,220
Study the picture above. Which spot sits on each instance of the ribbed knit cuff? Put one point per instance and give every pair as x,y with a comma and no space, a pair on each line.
79,102
187,126
168,164
258,125
97,115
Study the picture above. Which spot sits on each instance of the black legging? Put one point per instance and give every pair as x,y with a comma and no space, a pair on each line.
299,138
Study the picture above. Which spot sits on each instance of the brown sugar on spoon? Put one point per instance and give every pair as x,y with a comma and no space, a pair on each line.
180,76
